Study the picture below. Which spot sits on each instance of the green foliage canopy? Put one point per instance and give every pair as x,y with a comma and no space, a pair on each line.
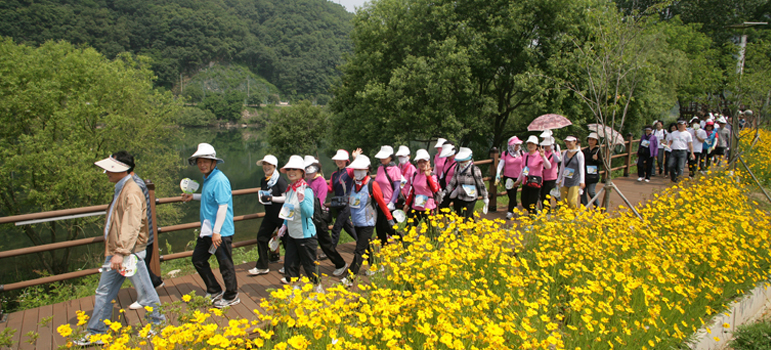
297,129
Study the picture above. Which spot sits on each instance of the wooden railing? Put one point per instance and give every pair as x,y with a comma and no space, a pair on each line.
155,266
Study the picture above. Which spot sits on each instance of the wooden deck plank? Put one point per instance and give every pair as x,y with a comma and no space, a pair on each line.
15,321
28,325
60,318
72,307
122,301
45,332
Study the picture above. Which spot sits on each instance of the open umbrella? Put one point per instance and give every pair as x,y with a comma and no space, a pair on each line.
548,122
606,131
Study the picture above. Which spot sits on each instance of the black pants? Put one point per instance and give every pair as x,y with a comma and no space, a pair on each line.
263,237
548,185
511,193
530,196
704,160
693,164
363,235
342,217
157,281
224,255
326,244
463,208
301,252
644,165
384,230
417,216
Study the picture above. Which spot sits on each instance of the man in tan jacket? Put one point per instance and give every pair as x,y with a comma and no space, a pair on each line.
125,233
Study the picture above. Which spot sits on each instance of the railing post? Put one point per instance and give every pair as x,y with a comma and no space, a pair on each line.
628,154
493,190
155,262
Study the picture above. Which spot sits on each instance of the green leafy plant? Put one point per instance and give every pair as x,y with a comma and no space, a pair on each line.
756,336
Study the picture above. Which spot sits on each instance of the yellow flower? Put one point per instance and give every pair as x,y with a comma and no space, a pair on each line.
186,298
149,308
64,330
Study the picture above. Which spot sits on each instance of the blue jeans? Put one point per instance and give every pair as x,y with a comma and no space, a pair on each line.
677,160
107,291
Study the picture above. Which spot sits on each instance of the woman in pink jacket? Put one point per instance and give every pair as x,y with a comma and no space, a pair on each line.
389,177
509,168
531,176
420,189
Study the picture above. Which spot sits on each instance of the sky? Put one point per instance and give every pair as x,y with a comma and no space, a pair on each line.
349,4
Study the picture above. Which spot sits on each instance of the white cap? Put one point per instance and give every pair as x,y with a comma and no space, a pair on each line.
310,160
447,150
571,138
360,163
546,133
532,139
403,151
440,142
270,159
112,165
593,135
385,152
722,120
464,154
547,142
422,154
295,162
341,155
205,151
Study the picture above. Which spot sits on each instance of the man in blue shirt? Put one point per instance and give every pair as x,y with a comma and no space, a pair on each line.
217,227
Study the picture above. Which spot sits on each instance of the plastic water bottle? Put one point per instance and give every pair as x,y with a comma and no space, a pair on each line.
105,268
212,248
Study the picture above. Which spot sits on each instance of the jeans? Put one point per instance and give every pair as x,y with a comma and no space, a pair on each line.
660,161
224,254
107,291
363,235
512,193
342,217
677,159
264,234
157,281
301,251
589,193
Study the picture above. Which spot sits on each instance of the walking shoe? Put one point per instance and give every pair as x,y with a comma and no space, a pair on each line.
284,280
647,180
340,271
255,271
282,270
160,285
86,341
215,297
509,215
224,302
135,306
639,179
322,256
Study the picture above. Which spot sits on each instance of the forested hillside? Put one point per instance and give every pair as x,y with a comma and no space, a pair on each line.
294,44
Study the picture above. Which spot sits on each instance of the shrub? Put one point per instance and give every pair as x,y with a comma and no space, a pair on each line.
756,336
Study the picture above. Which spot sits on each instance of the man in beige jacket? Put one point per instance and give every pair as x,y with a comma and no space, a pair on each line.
125,234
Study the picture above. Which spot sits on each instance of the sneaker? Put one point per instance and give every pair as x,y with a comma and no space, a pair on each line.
509,215
340,271
215,297
284,280
282,270
135,306
323,256
161,285
224,302
647,180
639,179
86,341
255,271
346,282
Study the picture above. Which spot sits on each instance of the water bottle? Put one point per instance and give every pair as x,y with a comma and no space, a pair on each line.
105,268
212,248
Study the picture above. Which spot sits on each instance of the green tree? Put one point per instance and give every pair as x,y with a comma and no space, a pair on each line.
464,70
62,108
297,129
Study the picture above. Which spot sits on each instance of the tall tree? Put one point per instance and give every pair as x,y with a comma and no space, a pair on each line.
62,108
423,68
296,130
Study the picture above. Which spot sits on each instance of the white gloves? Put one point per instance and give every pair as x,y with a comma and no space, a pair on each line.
486,201
281,231
391,206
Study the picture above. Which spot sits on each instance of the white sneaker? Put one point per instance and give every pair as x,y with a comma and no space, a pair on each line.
346,282
255,271
135,306
340,271
282,270
639,179
224,302
647,180
284,280
509,215
215,297
85,341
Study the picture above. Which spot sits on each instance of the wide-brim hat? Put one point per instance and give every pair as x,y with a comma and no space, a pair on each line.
311,164
403,151
514,141
440,142
270,159
422,154
532,139
341,155
593,135
546,133
571,138
310,160
360,163
464,154
447,150
385,152
295,162
205,151
722,120
112,165
547,142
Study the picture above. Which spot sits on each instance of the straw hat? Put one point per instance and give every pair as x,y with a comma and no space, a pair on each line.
205,151
295,162
403,151
341,155
422,154
385,152
360,163
270,159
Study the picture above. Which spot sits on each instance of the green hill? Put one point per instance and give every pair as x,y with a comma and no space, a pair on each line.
293,44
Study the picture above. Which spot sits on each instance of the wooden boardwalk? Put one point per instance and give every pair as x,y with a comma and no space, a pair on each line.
251,288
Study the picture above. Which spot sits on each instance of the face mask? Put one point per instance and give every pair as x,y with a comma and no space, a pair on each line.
512,149
404,160
464,164
696,126
359,175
